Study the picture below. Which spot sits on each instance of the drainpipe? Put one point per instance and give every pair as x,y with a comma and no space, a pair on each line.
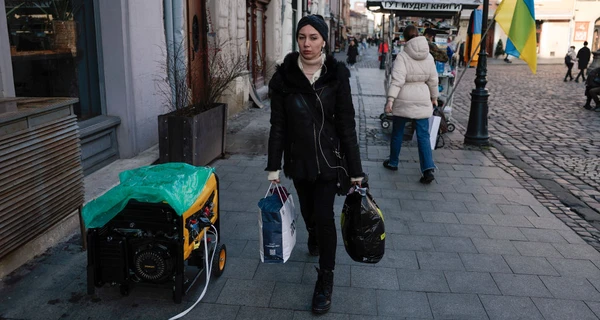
174,32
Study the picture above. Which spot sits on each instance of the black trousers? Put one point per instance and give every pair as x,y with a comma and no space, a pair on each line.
581,73
316,204
569,75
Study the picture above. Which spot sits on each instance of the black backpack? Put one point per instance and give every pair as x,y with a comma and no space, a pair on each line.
567,59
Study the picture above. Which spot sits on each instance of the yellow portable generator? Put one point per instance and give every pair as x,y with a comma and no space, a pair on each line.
149,242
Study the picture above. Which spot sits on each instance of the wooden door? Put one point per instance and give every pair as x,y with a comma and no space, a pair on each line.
197,48
255,33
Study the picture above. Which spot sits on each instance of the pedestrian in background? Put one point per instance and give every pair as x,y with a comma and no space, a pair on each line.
437,53
384,48
412,92
461,54
352,53
570,60
312,123
583,59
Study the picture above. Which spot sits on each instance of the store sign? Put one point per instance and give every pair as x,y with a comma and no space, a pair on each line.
581,31
420,6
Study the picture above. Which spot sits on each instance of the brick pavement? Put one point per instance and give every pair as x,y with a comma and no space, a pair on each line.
475,244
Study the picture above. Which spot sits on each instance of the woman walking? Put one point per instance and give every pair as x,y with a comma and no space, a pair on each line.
352,53
412,92
570,60
312,125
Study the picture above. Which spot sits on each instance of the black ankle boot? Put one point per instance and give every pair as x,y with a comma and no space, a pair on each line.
313,246
321,302
427,176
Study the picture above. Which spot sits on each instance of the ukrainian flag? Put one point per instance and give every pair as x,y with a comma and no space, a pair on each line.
473,37
517,19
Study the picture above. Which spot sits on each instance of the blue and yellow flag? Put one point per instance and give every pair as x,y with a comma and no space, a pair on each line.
517,19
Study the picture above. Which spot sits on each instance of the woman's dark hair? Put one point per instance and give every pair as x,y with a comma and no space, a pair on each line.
410,32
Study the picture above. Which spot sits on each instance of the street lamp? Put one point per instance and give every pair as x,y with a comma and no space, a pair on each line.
477,128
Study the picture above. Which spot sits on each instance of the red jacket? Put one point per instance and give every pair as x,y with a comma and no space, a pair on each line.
384,46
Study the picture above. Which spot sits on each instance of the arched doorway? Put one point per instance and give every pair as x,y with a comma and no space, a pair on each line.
595,37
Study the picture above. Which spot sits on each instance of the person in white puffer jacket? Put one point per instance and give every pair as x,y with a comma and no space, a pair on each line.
412,93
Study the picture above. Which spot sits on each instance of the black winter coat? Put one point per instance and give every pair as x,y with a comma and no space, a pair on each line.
352,54
297,110
583,57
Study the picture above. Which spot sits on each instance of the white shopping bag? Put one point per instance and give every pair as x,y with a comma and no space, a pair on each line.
434,127
276,225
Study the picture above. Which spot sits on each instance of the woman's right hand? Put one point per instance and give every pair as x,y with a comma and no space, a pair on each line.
388,107
275,181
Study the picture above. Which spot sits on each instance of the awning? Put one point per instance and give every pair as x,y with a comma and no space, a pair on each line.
423,8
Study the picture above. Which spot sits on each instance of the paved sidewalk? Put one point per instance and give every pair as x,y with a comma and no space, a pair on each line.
475,244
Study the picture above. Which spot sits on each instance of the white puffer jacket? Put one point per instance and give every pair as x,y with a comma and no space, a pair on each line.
414,81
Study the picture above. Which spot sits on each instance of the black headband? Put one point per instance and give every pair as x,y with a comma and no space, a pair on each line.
317,22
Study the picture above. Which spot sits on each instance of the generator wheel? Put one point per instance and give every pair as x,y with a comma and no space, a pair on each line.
220,260
451,127
385,124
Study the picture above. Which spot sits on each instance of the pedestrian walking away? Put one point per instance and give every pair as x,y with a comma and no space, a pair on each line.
313,128
437,53
583,59
570,60
383,50
352,54
592,89
412,93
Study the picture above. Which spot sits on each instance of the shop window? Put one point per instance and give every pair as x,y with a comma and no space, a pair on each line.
596,40
53,51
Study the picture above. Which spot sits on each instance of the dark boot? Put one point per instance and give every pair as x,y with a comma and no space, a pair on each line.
313,246
321,302
427,176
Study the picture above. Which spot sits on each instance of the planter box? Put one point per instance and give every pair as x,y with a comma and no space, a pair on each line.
196,140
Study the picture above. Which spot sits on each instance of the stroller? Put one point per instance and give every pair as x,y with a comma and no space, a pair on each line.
445,124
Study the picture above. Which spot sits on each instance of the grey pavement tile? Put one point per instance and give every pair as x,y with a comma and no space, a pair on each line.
449,206
478,182
517,210
427,228
541,211
395,194
246,293
577,251
483,208
412,242
407,304
349,300
245,231
471,282
536,249
414,215
530,265
502,190
471,231
494,246
543,235
303,315
511,221
399,259
240,268
439,217
484,263
417,205
521,285
421,195
448,181
502,307
292,296
388,204
571,288
460,174
459,197
548,223
439,261
456,306
470,189
291,271
453,244
491,199
422,280
374,277
571,237
575,268
473,218
523,199
253,313
594,306
396,226
506,233
509,183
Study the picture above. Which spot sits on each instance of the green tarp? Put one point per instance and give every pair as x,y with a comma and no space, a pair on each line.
178,184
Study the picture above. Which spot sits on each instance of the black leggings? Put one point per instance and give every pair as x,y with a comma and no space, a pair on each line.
569,75
581,73
316,204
